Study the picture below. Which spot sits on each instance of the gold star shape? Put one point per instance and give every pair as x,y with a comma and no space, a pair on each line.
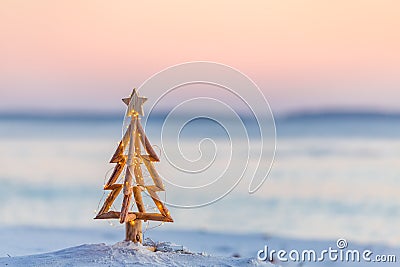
135,103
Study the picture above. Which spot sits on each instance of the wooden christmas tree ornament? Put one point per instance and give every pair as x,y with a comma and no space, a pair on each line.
134,137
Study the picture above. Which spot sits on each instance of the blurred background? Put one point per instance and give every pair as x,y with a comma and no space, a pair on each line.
330,72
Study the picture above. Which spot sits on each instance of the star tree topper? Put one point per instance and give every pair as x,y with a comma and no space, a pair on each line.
135,103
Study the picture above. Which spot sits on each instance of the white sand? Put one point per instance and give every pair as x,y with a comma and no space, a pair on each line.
86,247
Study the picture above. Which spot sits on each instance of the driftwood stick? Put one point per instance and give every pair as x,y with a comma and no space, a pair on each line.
121,146
114,186
128,175
135,215
137,170
125,208
115,215
153,188
116,173
146,143
110,200
154,174
131,156
137,160
161,207
153,217
127,135
137,193
118,153
137,142
128,180
108,215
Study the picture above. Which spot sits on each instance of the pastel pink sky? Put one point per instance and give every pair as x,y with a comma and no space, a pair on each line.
86,55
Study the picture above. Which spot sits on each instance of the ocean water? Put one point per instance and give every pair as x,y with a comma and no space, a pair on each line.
335,177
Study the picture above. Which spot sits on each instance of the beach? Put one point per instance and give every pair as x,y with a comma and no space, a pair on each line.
323,187
32,246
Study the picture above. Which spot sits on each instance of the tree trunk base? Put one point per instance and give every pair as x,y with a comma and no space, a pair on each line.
133,231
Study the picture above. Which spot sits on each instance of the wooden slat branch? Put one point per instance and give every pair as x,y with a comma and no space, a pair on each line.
110,199
113,186
116,173
137,160
125,208
131,156
115,215
128,175
137,170
121,146
135,216
137,193
153,173
153,188
153,217
161,207
146,143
